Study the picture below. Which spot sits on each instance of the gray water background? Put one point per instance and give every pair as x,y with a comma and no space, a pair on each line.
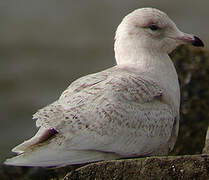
45,45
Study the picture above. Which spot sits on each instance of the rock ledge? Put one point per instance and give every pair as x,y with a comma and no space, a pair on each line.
171,167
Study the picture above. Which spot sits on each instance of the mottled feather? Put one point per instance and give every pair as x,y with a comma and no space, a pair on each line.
107,109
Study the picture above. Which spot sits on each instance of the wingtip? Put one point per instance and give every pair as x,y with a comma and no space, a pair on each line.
11,162
21,160
17,149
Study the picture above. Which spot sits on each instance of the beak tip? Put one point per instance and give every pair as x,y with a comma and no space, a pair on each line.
197,42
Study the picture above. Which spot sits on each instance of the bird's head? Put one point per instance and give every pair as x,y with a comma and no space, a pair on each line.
151,29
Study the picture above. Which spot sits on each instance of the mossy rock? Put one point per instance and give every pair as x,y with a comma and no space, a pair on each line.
192,65
149,168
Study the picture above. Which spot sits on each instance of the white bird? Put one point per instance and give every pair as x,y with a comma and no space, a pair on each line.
129,110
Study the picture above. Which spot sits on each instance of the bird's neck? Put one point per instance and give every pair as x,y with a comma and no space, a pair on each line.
129,51
150,64
130,54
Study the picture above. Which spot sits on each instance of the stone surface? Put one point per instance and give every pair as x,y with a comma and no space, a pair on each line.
179,167
192,66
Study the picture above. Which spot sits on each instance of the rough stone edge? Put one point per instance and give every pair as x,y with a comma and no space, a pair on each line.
170,167
206,148
164,167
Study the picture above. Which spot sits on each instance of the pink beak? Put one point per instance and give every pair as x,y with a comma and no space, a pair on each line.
194,40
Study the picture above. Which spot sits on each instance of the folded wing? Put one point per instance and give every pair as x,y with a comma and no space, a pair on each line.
107,115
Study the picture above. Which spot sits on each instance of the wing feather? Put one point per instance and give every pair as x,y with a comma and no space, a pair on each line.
104,111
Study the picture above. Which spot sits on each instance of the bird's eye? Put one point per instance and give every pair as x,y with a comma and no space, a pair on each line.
153,27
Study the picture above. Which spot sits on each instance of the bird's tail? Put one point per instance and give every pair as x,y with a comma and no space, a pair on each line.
48,155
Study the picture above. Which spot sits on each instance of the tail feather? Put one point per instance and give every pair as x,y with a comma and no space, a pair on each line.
48,157
41,136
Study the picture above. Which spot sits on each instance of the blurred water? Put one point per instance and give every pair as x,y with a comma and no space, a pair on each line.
45,45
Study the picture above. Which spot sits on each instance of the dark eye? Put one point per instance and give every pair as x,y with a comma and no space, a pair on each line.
154,27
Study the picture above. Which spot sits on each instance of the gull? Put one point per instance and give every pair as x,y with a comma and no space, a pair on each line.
129,110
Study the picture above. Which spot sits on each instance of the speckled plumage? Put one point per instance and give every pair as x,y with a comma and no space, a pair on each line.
131,109
114,106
